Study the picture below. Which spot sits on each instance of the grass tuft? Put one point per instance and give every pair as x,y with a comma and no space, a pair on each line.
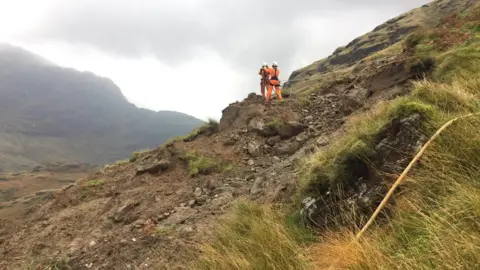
252,237
199,164
136,155
95,182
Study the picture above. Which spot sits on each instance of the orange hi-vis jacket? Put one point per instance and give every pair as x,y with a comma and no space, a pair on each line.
274,73
265,73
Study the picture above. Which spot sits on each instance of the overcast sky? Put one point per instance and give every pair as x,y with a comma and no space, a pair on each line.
193,56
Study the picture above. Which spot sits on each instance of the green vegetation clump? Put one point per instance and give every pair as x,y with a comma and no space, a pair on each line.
164,229
274,124
95,182
117,163
199,164
136,155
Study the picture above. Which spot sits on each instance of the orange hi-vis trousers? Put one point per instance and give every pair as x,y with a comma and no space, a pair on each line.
274,84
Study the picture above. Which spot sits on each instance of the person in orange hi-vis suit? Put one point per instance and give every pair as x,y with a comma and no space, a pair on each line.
264,73
274,82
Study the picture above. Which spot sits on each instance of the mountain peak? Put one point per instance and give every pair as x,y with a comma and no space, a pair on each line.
72,115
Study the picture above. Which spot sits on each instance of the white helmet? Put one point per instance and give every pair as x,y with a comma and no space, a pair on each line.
274,64
264,65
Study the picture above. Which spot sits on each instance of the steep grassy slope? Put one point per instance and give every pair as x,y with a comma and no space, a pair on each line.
49,113
434,221
379,45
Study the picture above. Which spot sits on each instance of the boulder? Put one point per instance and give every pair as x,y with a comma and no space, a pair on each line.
229,115
221,200
287,148
302,137
197,193
258,125
290,129
123,212
181,215
355,98
257,185
274,140
154,167
232,140
322,141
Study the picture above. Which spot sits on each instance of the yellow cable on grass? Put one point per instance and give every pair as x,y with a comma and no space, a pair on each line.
401,177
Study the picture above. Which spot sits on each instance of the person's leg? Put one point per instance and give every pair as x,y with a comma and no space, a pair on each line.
262,88
269,92
279,92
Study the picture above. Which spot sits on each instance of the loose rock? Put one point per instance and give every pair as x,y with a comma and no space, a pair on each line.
122,214
288,148
258,125
290,129
257,185
254,149
302,137
274,140
322,141
198,192
154,167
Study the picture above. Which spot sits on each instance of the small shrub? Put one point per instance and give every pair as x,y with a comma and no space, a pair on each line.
420,67
274,124
411,42
212,126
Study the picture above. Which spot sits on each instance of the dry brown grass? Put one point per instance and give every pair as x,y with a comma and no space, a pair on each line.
437,220
253,237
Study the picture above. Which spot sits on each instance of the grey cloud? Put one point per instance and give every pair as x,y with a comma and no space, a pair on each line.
245,32
173,31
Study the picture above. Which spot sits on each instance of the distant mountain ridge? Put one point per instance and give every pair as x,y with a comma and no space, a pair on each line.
50,113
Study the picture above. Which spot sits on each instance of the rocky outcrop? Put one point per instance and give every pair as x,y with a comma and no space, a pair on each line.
240,113
259,126
363,189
